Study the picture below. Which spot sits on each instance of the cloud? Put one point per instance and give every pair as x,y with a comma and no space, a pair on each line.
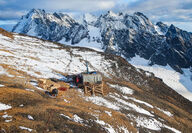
14,8
10,14
187,26
8,22
53,5
2,2
178,12
187,5
161,10
75,5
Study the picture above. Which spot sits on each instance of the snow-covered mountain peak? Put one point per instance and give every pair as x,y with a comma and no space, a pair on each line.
89,18
146,25
111,14
110,21
54,27
174,29
64,17
140,15
35,13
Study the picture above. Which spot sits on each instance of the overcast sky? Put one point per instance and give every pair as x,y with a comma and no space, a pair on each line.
169,11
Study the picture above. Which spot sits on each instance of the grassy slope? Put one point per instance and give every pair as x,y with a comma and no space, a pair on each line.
46,111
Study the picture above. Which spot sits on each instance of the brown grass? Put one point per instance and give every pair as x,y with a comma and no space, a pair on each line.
46,111
6,51
6,33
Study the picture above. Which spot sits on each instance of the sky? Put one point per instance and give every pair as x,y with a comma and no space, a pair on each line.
178,12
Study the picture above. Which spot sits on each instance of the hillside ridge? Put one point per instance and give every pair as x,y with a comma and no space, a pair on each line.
135,100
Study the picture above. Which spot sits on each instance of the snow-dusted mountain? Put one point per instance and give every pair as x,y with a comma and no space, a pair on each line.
135,35
134,101
54,27
122,34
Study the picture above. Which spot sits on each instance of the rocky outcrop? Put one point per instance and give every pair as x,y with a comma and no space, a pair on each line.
163,27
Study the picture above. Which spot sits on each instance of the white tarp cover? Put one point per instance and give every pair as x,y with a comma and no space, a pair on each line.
92,78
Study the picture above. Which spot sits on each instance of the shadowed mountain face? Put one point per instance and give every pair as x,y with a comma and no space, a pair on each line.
121,34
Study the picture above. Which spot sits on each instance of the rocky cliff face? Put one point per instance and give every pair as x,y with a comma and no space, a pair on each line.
163,27
121,34
136,35
53,27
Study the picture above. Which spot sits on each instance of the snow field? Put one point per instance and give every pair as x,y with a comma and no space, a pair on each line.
181,83
39,61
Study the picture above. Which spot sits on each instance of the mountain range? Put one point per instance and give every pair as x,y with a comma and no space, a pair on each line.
118,33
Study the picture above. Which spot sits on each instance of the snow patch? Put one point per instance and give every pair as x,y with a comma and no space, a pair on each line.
76,118
148,74
30,117
6,116
21,105
1,85
65,116
3,53
124,129
124,90
158,29
4,107
108,127
132,106
8,120
66,101
100,122
142,102
25,128
172,129
108,113
41,89
150,123
165,112
102,102
30,90
34,83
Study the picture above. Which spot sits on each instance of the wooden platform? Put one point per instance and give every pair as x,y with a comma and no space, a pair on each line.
93,88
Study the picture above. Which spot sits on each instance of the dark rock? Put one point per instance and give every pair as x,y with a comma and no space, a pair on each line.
163,27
